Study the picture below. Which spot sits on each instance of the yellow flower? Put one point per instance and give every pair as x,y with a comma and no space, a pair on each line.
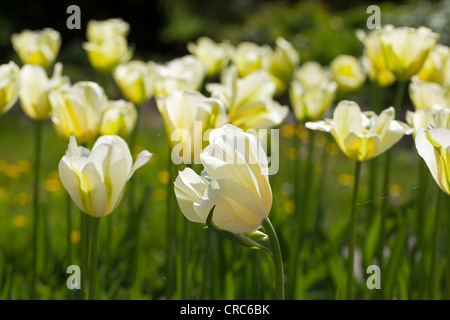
78,110
106,55
285,60
373,59
427,95
214,56
134,79
187,116
185,73
248,57
249,100
362,135
9,85
311,103
433,146
119,118
406,49
37,47
347,72
95,180
99,31
35,88
312,74
239,190
436,64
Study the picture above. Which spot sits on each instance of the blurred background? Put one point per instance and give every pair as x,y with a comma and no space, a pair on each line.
160,29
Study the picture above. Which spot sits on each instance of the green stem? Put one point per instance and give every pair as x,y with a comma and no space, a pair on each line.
399,94
277,259
69,228
170,233
184,260
434,247
352,240
421,209
37,166
93,260
447,292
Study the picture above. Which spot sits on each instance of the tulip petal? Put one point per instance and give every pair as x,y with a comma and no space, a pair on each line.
141,160
190,187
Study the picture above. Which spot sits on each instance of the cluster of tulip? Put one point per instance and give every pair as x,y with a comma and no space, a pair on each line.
232,198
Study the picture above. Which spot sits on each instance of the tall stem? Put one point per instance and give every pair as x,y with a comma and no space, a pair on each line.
184,260
434,247
447,292
277,258
69,228
93,260
170,233
352,240
37,166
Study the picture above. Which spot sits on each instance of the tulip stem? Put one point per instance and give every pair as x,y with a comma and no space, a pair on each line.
399,94
93,260
170,232
447,292
37,166
276,257
352,240
434,247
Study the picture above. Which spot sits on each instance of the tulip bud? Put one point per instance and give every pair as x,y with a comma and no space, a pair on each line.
99,31
239,189
284,61
362,135
188,115
347,72
433,69
214,56
106,55
78,110
119,118
311,103
95,180
185,73
406,49
37,47
312,74
36,87
248,57
135,80
9,85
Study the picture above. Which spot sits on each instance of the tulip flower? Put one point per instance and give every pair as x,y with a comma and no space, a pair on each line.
427,95
37,47
119,118
185,73
311,74
78,110
310,103
99,31
214,56
233,195
406,49
373,59
248,57
106,55
362,135
285,60
135,80
36,87
434,67
96,179
249,100
348,73
9,85
188,115
235,182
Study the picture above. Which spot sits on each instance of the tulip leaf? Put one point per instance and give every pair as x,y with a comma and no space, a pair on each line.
255,240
